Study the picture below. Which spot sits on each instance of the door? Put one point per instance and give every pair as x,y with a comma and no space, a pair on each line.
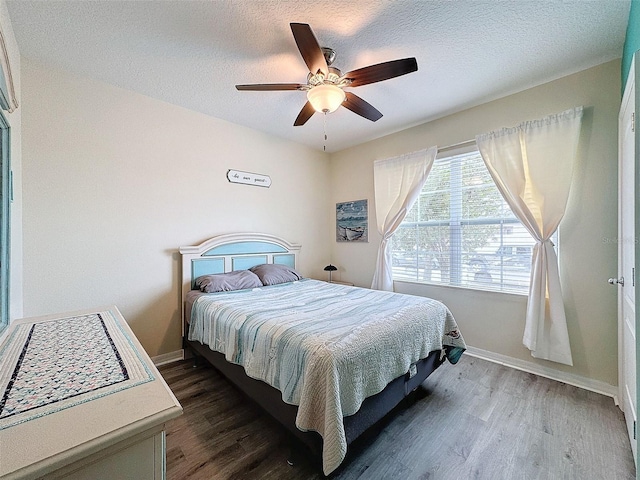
626,259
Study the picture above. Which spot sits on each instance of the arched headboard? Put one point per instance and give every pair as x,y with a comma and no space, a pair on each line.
234,251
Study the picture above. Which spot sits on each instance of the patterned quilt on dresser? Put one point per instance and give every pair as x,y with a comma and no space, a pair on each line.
51,365
325,346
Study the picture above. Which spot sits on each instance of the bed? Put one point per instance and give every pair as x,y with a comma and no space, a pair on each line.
326,360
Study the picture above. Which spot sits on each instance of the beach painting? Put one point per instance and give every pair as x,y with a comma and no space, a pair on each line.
352,220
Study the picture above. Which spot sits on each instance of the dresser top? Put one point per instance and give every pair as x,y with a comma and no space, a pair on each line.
72,384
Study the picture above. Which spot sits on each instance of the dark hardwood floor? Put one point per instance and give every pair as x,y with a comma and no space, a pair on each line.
473,420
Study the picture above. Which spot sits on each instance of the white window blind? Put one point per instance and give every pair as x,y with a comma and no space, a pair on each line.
461,232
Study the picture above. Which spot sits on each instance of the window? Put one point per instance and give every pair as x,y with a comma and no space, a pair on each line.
461,232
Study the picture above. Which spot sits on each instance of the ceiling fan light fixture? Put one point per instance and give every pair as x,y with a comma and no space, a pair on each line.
325,83
325,98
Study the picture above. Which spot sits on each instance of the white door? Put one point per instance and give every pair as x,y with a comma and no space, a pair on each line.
626,259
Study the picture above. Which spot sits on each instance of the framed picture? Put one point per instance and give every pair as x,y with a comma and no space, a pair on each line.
352,221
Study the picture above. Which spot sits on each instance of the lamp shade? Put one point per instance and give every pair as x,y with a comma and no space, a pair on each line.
325,98
330,268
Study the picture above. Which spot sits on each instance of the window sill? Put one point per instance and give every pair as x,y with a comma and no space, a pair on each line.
465,289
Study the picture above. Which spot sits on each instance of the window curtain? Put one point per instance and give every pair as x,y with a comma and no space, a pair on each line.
8,99
532,165
397,184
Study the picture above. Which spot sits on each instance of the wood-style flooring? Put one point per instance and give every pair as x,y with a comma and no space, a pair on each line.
473,420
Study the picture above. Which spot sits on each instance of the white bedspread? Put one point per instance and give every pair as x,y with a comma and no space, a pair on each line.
325,346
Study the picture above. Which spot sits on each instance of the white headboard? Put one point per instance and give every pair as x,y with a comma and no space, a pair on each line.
234,251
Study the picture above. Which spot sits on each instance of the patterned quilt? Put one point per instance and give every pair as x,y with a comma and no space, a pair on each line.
325,346
51,365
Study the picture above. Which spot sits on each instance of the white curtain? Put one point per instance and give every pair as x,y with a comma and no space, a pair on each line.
8,99
532,165
397,184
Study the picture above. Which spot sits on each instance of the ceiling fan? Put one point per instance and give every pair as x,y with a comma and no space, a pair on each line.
325,84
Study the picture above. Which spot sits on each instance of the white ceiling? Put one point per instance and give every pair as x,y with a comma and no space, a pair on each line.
192,53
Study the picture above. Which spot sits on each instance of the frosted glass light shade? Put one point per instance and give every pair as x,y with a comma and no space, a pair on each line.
325,98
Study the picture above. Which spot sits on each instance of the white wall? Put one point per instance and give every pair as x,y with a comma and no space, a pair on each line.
588,253
15,120
115,182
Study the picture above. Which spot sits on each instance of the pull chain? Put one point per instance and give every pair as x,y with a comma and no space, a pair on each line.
324,129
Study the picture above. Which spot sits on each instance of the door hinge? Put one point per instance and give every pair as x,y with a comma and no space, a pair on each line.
634,430
633,121
633,276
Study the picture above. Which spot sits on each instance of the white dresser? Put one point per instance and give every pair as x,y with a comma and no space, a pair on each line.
80,399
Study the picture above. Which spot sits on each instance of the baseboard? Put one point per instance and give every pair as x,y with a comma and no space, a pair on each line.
530,367
170,357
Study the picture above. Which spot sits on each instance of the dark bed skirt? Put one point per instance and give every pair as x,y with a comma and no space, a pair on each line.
269,398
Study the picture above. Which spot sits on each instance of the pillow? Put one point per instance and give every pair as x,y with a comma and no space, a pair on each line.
226,282
272,274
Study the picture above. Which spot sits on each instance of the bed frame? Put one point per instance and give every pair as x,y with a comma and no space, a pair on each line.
226,253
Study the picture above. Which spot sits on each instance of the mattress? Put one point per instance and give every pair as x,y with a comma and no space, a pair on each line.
325,347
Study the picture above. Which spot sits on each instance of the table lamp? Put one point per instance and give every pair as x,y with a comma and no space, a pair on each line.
330,268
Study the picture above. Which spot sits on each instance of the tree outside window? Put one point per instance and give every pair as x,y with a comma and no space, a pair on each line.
461,232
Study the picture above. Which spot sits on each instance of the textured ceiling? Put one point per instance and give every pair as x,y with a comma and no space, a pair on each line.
192,53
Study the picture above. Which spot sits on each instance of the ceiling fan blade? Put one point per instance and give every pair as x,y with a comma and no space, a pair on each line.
309,48
362,108
270,86
304,115
381,71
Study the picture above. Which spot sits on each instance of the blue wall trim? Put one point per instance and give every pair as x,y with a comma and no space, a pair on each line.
5,219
